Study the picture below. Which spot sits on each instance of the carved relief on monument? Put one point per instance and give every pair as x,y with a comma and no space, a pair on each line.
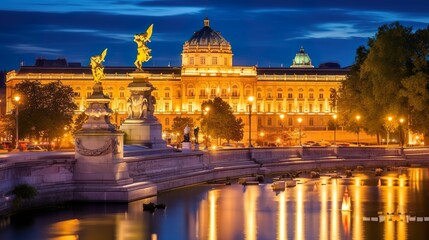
110,146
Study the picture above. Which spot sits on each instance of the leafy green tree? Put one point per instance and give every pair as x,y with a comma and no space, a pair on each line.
219,121
79,121
375,81
179,124
416,86
45,110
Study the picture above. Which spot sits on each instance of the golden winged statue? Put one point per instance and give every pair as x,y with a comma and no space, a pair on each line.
97,66
143,52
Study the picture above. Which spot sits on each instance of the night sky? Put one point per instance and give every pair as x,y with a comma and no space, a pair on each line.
261,32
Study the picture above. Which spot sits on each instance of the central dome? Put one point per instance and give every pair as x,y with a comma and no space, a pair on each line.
207,36
207,48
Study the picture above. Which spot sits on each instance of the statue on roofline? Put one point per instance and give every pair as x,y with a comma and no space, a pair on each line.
97,66
143,52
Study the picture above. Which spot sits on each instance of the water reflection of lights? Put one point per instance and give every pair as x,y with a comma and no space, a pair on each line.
282,226
65,229
250,203
323,213
299,228
334,210
212,219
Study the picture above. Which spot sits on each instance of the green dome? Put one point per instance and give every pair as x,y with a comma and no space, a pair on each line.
302,60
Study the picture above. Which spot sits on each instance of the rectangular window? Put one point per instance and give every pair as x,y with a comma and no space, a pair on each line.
279,107
269,95
190,107
258,107
190,92
269,122
225,61
290,95
321,95
300,96
121,94
191,61
202,92
268,107
259,95
280,95
202,60
311,122
214,60
88,94
76,94
167,106
290,122
179,94
311,96
290,108
259,121
213,92
311,107
320,108
234,107
223,92
167,121
300,108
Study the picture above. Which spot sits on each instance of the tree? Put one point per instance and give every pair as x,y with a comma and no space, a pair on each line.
416,86
375,79
179,124
45,110
219,122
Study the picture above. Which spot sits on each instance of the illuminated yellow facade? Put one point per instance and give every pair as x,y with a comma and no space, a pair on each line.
207,71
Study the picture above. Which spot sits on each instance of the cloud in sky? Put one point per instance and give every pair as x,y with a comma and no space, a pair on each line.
27,48
269,32
104,6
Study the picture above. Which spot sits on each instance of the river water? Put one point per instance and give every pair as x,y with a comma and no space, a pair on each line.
310,210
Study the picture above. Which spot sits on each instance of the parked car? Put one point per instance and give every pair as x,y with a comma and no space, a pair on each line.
36,148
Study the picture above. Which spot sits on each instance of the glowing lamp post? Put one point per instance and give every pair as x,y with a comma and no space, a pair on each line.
250,99
17,98
300,121
206,112
335,129
357,120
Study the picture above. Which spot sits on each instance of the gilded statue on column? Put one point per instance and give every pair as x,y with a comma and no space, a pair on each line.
143,52
97,66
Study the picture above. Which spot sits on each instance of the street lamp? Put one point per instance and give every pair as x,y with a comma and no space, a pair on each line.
300,120
16,98
335,129
206,112
250,99
358,130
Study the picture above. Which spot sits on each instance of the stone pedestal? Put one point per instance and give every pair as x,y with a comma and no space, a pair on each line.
141,126
186,146
196,147
147,133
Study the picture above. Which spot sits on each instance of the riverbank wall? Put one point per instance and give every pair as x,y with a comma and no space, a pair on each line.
52,173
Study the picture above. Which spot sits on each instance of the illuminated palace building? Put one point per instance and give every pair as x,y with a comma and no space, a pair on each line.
207,71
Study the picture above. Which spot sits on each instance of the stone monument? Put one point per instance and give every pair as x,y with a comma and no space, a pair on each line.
100,172
186,144
141,126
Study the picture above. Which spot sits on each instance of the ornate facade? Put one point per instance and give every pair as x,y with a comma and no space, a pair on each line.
207,71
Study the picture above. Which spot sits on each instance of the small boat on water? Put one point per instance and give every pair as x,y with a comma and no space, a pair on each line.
152,206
